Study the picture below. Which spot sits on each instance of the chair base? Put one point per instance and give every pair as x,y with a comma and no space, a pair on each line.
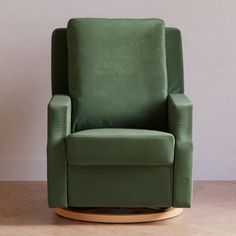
118,215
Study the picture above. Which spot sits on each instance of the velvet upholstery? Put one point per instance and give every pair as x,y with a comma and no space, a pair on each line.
174,61
139,147
120,186
119,165
59,127
117,73
180,125
59,62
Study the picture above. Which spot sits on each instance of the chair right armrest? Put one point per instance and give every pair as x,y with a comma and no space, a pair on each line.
180,125
180,117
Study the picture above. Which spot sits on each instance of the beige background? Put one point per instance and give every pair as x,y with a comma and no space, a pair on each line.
209,40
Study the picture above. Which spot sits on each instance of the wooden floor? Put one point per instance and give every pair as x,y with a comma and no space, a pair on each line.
24,211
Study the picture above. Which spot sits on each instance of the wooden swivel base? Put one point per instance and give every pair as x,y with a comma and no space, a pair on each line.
118,215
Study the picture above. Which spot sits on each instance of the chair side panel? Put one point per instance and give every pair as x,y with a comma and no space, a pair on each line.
174,60
59,62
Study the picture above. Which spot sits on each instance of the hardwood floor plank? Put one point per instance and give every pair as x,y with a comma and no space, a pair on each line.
24,211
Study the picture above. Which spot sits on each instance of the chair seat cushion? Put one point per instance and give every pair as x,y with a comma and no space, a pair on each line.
116,146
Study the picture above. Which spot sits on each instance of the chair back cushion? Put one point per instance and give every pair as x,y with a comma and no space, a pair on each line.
117,73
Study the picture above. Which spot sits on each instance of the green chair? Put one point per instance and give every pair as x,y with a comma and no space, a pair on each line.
119,125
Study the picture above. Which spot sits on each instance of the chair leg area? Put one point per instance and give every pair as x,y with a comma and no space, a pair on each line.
118,215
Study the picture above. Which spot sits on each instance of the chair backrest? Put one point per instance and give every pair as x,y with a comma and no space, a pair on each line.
174,65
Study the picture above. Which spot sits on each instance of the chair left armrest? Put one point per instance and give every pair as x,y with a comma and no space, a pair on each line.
59,127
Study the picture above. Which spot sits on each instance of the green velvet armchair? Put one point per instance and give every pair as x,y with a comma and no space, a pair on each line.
119,124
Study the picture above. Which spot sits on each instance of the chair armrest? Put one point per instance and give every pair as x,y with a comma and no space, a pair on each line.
180,125
59,127
180,117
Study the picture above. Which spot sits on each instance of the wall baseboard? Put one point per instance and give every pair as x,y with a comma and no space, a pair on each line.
209,169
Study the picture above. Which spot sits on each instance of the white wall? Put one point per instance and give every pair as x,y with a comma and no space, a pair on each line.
209,41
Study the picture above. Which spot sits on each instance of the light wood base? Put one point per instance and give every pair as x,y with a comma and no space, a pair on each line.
118,215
